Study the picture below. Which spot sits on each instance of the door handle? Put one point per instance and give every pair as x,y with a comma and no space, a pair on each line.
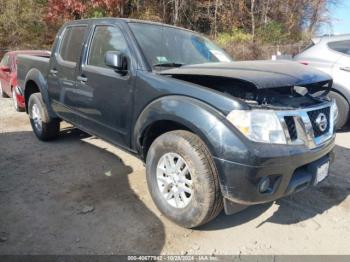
347,69
82,79
53,72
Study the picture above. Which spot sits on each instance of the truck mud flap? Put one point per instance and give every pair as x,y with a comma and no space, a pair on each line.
232,207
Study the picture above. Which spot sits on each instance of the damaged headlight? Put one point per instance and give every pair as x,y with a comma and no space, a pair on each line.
258,125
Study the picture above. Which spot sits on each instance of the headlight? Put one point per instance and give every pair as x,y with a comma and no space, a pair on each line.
334,112
258,125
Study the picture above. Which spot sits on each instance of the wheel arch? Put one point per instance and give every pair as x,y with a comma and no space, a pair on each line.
35,83
30,88
156,129
175,113
341,90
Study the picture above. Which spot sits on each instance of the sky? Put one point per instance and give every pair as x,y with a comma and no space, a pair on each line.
340,19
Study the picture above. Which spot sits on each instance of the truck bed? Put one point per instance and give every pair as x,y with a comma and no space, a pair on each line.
27,62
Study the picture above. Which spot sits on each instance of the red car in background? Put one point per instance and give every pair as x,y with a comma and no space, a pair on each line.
8,76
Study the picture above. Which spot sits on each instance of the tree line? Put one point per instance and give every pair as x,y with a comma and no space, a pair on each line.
251,23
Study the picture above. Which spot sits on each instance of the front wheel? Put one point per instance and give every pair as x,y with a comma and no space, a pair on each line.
182,179
44,127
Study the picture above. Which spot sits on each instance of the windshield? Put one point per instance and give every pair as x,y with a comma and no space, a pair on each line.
167,46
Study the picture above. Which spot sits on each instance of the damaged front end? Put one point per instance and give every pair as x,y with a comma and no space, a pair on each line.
289,105
289,122
278,98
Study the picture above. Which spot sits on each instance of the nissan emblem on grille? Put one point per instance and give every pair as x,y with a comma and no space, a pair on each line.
321,122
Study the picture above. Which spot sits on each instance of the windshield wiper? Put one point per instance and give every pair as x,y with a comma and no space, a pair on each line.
172,64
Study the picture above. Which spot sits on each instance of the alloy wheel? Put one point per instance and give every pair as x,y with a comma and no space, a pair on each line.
36,116
174,180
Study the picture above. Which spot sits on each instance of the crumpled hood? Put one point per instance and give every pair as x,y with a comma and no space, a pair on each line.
263,74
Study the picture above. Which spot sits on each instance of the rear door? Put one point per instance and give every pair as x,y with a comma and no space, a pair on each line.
104,96
63,70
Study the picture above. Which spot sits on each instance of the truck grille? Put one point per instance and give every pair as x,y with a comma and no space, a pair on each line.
291,127
309,126
314,115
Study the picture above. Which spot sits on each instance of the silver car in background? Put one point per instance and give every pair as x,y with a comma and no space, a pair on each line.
331,54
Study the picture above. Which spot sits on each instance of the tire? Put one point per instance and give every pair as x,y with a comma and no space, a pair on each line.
44,127
343,108
15,102
2,92
205,201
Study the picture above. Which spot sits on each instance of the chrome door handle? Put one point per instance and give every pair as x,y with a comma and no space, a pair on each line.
347,69
82,79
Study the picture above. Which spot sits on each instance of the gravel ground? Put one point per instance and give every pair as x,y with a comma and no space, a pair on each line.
80,195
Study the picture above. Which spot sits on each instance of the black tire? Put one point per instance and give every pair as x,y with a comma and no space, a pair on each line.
343,108
206,201
50,127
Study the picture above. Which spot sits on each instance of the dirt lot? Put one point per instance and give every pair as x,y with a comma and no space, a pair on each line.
80,195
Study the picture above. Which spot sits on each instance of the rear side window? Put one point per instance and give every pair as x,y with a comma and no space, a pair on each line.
340,46
72,43
106,38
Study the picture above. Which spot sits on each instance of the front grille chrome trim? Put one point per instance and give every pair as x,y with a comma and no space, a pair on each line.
305,131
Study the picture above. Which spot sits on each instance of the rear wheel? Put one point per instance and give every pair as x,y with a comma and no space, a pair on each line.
44,127
343,108
182,179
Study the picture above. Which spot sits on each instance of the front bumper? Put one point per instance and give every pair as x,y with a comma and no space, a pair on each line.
290,168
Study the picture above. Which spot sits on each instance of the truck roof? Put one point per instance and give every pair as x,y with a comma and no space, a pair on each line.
126,20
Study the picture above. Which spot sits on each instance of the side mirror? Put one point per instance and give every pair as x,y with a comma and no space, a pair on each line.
117,61
5,69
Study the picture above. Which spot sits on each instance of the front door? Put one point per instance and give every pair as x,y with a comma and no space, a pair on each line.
104,95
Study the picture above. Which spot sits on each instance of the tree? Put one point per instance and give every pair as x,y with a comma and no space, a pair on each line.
21,24
59,11
258,21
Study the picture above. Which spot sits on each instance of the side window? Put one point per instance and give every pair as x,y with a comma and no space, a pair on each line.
71,44
105,38
340,46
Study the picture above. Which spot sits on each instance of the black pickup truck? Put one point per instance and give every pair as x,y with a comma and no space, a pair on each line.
213,133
